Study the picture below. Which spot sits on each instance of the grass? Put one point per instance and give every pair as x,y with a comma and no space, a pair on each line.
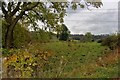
77,60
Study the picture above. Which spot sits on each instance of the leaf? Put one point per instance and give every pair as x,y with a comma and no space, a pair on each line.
74,6
82,6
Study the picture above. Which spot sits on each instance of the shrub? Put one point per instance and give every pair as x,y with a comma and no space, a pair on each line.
41,36
64,35
110,41
20,61
21,37
88,37
23,64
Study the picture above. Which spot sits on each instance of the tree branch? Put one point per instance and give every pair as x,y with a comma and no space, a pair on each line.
30,19
87,5
9,7
17,18
27,8
36,12
3,9
16,9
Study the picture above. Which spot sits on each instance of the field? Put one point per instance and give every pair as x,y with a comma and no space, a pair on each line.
78,60
46,40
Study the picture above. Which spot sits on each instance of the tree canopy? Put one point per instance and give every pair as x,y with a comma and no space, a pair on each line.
50,13
64,35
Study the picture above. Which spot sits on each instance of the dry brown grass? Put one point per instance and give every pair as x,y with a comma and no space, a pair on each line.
109,58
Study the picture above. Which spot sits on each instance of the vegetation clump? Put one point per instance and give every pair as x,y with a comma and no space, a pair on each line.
22,64
111,41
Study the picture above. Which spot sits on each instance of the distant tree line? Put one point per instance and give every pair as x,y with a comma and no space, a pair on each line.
112,41
88,37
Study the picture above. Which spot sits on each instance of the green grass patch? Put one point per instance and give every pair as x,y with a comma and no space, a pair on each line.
74,60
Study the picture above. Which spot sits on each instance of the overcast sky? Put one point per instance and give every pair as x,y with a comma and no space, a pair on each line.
96,21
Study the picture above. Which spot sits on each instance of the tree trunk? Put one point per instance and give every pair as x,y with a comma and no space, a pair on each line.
11,18
9,34
10,28
9,37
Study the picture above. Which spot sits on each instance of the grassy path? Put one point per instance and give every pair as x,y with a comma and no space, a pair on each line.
82,60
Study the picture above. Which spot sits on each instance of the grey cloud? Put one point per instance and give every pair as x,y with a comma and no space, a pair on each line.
95,21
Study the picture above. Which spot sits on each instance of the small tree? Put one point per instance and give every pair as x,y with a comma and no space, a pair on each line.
88,37
64,35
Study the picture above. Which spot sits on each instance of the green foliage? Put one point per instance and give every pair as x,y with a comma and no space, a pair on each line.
64,35
111,41
88,37
74,6
21,36
50,14
75,59
19,61
0,33
23,64
41,36
4,29
118,38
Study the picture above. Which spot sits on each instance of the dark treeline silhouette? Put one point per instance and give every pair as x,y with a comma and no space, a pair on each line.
81,37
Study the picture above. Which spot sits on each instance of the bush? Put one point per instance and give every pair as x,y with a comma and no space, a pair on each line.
41,36
21,37
19,61
110,41
88,37
23,64
64,36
